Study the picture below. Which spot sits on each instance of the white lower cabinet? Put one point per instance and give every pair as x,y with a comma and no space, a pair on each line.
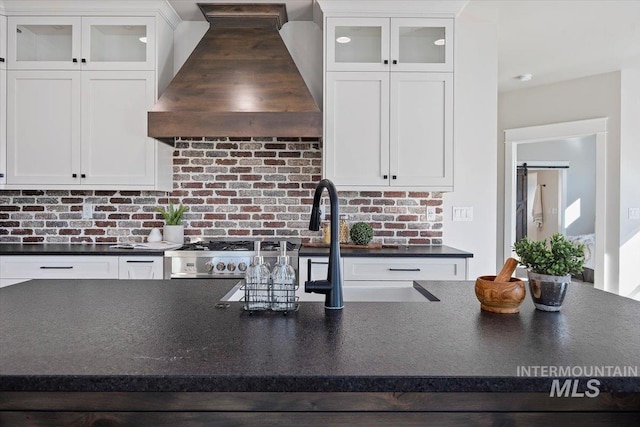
140,267
59,267
20,268
378,271
375,271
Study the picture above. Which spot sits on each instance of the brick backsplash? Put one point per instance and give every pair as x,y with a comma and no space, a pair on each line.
238,187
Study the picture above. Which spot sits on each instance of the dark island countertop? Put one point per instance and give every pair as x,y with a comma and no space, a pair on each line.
72,249
423,251
153,335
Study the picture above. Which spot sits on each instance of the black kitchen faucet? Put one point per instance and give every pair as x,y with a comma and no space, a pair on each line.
332,287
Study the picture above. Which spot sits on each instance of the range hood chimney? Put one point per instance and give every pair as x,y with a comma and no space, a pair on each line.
239,81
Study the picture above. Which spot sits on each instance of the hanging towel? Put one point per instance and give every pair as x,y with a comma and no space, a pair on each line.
537,207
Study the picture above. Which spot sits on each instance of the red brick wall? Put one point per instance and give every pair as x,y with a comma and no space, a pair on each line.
232,187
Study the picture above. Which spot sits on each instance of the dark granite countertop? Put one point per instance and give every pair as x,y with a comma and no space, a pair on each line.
146,335
424,251
71,249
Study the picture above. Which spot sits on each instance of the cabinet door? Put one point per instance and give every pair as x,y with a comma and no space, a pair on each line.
357,44
3,127
3,42
43,128
421,44
421,130
43,42
140,267
122,43
115,146
357,128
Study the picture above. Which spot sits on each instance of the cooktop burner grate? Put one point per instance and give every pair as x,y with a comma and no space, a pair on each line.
235,245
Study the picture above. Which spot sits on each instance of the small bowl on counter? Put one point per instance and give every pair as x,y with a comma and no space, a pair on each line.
500,296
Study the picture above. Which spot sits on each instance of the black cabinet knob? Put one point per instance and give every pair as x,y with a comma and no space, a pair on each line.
84,61
385,176
75,175
394,177
84,176
386,61
75,60
395,61
1,59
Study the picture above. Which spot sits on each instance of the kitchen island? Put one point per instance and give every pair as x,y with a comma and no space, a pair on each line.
137,352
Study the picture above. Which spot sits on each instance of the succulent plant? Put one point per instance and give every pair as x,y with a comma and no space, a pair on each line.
361,233
173,216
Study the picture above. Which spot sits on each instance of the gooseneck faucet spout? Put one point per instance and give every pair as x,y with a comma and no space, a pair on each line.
332,287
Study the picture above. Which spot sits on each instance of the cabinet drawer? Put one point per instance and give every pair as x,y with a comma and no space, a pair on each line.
398,269
59,267
141,267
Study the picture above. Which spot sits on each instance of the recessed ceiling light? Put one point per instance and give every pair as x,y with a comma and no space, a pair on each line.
343,39
439,42
524,77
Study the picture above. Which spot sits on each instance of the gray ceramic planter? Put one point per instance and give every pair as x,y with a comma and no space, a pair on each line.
548,291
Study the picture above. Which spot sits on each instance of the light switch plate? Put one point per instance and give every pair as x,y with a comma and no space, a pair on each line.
634,213
463,213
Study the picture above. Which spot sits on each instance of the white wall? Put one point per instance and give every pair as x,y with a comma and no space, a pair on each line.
630,182
475,88
579,99
185,38
580,153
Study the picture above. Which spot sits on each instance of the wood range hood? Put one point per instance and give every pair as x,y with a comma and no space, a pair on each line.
240,81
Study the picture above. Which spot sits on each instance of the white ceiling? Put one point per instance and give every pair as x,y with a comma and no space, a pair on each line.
554,40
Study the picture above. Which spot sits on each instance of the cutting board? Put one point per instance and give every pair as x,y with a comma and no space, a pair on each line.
351,245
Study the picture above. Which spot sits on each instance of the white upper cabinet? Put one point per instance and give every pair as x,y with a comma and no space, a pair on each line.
87,43
389,44
3,42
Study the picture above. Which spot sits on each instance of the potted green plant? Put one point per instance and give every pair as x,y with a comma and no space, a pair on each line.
549,267
173,230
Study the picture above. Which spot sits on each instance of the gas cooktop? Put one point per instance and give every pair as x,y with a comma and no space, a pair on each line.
237,245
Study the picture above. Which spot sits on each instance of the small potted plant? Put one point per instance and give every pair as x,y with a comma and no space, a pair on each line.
549,267
173,230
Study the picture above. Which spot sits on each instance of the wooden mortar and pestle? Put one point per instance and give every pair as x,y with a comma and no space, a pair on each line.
501,293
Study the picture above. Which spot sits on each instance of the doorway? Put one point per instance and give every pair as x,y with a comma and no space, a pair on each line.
580,131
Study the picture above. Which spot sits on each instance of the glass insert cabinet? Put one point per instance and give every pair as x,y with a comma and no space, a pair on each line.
387,44
88,43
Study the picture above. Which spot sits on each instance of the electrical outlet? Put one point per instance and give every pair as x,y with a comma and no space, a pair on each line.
87,211
634,213
431,213
323,212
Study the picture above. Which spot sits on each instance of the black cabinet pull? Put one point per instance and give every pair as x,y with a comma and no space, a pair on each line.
140,261
395,61
45,267
1,175
84,61
1,59
84,176
74,175
385,176
393,177
75,60
386,61
404,269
